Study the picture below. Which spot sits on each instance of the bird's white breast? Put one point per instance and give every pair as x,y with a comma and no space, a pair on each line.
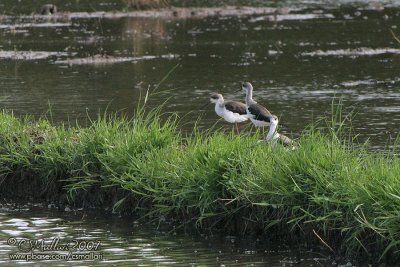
229,116
219,110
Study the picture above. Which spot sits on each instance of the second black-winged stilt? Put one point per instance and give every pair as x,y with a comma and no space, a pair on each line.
259,115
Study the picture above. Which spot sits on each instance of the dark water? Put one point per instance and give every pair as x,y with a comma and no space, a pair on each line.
297,62
122,242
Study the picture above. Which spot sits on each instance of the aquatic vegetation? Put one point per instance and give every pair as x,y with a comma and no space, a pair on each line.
329,190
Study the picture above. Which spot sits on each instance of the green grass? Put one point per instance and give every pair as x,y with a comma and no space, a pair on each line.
329,190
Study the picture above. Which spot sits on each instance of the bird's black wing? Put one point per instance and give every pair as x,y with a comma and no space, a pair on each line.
236,107
259,112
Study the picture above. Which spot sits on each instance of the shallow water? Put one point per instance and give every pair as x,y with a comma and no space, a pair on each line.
297,62
124,242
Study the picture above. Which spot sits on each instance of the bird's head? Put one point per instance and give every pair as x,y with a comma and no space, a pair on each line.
274,119
246,87
216,98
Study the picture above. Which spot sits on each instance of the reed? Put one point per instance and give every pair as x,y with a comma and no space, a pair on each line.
329,189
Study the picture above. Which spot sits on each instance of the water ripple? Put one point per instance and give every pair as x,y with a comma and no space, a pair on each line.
292,17
362,51
31,55
124,245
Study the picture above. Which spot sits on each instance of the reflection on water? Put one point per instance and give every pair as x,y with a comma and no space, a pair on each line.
123,241
144,34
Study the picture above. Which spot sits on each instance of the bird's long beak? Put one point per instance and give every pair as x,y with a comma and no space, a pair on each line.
239,90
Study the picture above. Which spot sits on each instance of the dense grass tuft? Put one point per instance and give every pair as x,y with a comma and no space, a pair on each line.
328,188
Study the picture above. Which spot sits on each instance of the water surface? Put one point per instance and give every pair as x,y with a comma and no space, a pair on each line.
125,242
297,62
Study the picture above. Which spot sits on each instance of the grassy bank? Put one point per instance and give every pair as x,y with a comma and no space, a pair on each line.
327,190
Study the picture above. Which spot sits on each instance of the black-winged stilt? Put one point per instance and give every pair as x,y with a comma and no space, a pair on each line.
259,115
231,111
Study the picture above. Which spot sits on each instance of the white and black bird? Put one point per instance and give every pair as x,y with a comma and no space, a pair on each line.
273,135
231,111
259,115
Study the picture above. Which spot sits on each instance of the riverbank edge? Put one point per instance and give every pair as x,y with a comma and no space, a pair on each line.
328,190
